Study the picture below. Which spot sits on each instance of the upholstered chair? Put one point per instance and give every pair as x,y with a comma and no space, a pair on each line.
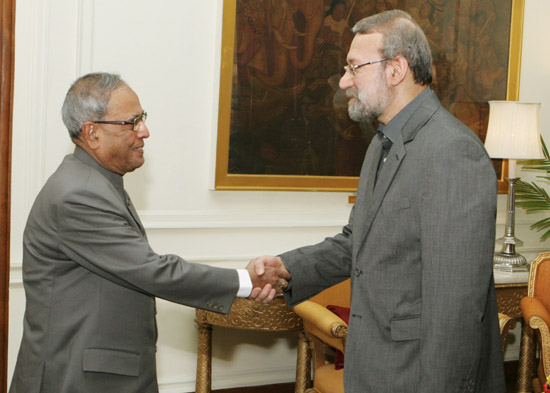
535,308
326,333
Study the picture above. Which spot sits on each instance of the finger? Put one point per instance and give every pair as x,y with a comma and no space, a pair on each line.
264,294
255,292
270,297
282,272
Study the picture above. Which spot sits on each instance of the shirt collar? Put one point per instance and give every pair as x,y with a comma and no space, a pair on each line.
115,179
392,130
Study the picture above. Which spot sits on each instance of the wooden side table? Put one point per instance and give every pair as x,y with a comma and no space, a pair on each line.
508,298
249,315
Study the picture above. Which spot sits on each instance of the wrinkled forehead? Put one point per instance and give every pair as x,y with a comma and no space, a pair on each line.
364,47
125,101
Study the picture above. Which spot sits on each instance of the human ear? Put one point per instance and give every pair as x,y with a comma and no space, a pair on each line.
89,135
398,69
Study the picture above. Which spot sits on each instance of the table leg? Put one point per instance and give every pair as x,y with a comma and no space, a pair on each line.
303,366
527,360
204,359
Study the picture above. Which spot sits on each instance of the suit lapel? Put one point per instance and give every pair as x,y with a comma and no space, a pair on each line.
133,213
385,177
369,167
420,117
371,196
365,189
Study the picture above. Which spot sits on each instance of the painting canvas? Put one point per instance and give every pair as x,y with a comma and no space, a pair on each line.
283,119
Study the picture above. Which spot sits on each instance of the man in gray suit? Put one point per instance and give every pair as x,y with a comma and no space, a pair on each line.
90,276
420,239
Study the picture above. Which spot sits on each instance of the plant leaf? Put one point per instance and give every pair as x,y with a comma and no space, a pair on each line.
532,197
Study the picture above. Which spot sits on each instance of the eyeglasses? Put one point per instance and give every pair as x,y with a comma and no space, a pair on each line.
134,121
352,69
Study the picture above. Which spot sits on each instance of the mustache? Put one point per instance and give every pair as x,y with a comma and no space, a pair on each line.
351,93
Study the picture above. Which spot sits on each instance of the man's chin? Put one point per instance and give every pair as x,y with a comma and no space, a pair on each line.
136,165
360,117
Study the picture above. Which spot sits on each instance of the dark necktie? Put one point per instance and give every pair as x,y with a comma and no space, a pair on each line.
386,146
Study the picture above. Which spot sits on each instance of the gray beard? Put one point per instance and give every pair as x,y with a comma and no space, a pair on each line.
370,108
360,113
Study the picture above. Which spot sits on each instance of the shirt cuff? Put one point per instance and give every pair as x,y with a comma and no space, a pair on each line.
245,283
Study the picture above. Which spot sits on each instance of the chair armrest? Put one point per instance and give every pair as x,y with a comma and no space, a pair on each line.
532,307
506,323
323,324
537,317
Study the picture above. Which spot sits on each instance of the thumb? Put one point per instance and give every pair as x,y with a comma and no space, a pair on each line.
259,267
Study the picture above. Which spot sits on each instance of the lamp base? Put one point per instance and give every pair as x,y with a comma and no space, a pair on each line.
506,262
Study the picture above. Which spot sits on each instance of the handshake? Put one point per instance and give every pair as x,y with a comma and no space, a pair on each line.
269,277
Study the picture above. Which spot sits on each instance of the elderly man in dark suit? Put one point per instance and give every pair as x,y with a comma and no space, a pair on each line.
420,238
90,276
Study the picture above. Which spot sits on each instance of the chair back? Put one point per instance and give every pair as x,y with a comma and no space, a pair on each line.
539,279
338,295
319,324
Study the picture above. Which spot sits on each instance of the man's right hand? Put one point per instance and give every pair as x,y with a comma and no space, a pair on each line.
269,277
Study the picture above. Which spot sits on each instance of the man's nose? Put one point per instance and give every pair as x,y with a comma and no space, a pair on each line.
143,130
346,81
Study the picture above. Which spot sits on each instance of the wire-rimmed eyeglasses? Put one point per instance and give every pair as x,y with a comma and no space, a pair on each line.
134,121
352,69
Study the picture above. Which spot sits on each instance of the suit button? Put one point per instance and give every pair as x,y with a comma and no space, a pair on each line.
221,307
358,272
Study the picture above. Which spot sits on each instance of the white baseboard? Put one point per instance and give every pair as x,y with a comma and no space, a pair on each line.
232,380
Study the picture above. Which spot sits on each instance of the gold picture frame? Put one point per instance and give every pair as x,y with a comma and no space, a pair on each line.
258,179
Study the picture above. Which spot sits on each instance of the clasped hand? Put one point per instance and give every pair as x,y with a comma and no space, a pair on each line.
269,277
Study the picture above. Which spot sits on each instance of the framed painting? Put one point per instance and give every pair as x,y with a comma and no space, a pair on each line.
283,122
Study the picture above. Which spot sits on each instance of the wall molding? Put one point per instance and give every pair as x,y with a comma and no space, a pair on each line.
85,37
179,219
228,380
209,219
34,100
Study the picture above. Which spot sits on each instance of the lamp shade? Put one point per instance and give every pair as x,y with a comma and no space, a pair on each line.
514,130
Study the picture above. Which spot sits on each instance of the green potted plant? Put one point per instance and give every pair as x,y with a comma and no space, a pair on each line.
532,197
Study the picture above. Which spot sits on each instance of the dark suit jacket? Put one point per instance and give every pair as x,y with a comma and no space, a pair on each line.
419,249
91,280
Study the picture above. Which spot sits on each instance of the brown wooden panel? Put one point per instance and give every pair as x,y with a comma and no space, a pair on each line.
7,47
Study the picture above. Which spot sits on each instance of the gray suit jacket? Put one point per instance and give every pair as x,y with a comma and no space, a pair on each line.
418,248
91,280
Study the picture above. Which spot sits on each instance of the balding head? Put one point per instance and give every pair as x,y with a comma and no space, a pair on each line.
87,99
402,36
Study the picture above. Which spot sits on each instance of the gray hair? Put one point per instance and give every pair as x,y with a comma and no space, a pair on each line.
87,100
402,36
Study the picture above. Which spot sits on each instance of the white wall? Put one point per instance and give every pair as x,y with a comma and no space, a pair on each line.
534,87
169,52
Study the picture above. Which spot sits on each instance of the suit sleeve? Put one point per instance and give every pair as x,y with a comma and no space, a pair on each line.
95,232
317,267
457,244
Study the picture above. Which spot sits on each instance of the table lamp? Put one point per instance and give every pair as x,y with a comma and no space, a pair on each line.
513,134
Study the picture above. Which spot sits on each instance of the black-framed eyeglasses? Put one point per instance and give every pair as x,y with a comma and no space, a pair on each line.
134,121
352,69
